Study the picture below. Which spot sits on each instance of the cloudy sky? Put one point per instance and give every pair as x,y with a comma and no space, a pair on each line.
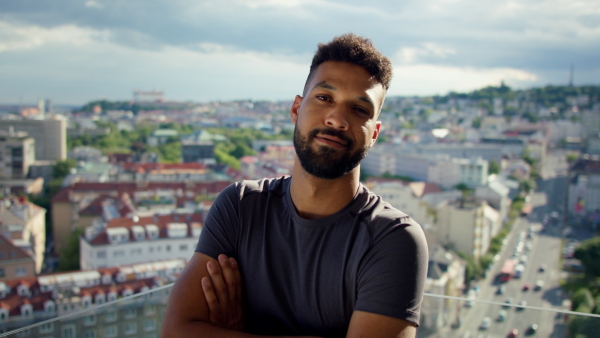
75,51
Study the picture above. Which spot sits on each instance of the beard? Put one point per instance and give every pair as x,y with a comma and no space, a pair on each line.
326,162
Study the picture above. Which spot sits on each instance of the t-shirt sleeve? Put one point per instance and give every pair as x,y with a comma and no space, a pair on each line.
218,235
392,274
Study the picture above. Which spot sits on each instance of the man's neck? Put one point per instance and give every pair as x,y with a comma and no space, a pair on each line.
315,197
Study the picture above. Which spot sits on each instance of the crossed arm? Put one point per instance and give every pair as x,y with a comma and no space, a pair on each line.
206,301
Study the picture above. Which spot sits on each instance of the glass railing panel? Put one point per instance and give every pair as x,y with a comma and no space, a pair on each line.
445,316
141,315
138,315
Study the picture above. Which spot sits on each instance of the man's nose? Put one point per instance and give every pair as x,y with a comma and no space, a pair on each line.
336,118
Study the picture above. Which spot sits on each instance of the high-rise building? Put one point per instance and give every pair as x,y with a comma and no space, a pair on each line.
17,153
50,136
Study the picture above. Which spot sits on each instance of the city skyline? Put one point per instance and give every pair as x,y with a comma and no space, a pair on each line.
73,52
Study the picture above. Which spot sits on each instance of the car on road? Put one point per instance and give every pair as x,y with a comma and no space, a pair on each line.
522,305
542,268
539,285
501,315
513,333
526,286
532,329
507,302
500,290
485,323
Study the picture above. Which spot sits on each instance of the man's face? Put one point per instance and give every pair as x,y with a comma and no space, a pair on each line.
336,121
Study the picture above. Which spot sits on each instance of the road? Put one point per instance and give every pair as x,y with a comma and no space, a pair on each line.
545,249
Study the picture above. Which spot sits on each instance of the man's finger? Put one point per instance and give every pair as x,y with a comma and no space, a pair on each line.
219,286
209,294
229,277
238,278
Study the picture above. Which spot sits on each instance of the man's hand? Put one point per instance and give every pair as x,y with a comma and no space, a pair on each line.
223,293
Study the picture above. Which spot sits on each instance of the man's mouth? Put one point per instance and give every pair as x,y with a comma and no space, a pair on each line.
331,140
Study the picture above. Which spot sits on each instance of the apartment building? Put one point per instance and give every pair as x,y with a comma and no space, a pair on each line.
405,196
24,224
445,276
25,301
67,204
583,199
436,168
466,224
15,262
50,136
17,154
132,240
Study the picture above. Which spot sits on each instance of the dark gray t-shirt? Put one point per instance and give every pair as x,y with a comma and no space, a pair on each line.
306,277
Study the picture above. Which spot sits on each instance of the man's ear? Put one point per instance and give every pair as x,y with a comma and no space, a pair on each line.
295,108
376,132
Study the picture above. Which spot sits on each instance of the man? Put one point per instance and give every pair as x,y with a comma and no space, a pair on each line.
316,253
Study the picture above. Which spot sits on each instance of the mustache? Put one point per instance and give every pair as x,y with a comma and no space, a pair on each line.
332,132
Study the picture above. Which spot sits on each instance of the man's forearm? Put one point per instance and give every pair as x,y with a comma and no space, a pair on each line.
204,329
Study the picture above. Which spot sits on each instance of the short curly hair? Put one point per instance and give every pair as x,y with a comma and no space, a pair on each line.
353,49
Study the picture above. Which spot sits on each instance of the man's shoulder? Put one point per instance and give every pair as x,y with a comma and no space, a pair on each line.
246,188
378,208
383,218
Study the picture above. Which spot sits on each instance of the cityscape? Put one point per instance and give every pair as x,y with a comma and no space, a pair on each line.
103,204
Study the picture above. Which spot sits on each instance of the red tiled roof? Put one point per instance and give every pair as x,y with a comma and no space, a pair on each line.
11,252
161,221
421,189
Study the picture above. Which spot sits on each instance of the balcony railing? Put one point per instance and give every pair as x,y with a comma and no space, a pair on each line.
141,315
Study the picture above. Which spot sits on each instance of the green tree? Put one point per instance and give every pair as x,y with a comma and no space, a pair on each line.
69,255
63,168
588,252
493,168
526,186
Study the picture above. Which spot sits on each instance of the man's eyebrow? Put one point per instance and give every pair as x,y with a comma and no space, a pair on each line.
326,85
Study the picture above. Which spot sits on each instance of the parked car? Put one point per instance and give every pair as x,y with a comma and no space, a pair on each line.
500,290
539,285
532,329
485,323
513,333
522,305
542,268
501,315
526,286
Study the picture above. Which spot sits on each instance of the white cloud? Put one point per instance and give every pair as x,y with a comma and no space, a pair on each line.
17,37
423,79
414,54
93,4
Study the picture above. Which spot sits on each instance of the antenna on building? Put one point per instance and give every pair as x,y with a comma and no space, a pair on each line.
571,76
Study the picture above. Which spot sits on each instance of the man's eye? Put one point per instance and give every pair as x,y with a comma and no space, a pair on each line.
323,98
362,111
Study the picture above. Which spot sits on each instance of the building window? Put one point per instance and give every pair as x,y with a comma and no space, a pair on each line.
183,247
2,273
130,313
25,333
46,328
149,309
118,253
89,320
68,331
136,252
110,317
130,328
101,254
149,324
168,248
110,331
89,334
